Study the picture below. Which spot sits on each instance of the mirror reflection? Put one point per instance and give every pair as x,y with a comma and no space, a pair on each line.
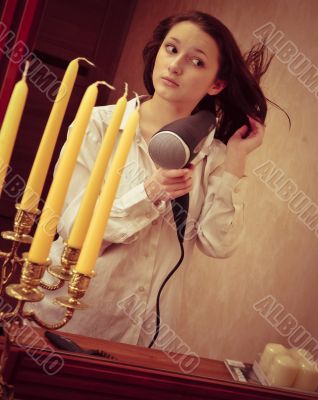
245,289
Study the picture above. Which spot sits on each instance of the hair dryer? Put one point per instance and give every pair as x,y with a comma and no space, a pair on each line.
174,146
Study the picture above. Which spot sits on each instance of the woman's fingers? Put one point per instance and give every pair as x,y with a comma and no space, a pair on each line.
176,181
169,184
177,188
186,185
241,132
257,127
176,173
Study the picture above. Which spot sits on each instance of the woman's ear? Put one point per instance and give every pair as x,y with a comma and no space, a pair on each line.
217,87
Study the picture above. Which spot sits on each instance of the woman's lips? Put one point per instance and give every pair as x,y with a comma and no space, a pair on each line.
169,81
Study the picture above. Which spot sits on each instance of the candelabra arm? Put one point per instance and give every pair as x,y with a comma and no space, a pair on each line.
11,316
9,263
4,316
31,316
53,287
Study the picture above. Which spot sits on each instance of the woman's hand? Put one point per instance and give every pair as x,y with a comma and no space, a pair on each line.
237,142
239,147
168,184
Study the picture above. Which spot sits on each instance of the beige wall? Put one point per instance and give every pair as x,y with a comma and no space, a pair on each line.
279,254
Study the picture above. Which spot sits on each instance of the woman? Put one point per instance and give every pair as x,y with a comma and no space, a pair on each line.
192,63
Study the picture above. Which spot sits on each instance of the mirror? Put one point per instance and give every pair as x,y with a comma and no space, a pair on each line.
266,291
276,263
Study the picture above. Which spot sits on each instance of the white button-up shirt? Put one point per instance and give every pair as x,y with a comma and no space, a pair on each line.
140,245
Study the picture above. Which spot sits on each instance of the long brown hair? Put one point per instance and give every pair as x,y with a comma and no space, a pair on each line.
242,95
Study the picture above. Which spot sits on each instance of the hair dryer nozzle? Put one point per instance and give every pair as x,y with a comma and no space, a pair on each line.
173,146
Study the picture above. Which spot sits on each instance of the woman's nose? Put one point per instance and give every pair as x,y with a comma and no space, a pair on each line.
175,66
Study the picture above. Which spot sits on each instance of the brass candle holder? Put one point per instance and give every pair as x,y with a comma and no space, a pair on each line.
64,271
22,225
29,290
76,290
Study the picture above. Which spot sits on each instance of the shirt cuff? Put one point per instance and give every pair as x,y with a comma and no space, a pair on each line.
128,200
231,179
236,185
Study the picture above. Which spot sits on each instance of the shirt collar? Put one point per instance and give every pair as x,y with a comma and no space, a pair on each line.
131,105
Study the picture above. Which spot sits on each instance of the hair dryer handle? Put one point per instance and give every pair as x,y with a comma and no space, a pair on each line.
180,208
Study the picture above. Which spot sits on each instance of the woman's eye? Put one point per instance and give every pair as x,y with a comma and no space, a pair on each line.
197,62
170,48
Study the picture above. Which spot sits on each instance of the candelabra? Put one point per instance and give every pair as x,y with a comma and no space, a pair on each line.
30,287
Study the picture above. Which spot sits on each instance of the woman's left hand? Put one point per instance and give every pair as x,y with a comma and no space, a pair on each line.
239,147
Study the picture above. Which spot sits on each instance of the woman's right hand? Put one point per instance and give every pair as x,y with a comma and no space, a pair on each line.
168,184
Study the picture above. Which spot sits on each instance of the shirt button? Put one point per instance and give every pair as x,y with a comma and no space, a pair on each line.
141,289
148,215
236,189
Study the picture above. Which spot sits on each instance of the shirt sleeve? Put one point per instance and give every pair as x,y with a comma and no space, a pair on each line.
221,223
132,210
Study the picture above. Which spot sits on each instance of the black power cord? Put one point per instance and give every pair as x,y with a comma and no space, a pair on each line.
180,207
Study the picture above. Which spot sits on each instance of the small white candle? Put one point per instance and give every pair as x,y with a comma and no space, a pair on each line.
282,371
299,354
307,376
270,351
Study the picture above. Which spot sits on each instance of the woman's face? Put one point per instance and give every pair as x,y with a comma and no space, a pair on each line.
186,65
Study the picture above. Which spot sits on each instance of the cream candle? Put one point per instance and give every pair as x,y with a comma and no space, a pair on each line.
92,191
95,234
11,122
299,353
270,351
34,186
282,370
307,376
53,206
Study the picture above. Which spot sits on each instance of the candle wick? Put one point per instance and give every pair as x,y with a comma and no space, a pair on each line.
26,69
104,83
126,89
137,100
85,59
